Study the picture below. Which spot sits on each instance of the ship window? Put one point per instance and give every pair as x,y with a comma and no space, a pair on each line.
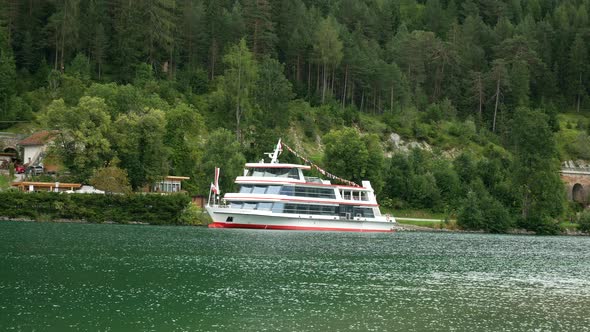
245,189
265,206
259,189
315,192
328,210
236,205
279,172
249,206
364,196
287,190
258,172
290,208
304,209
278,207
345,194
363,212
293,173
315,209
273,190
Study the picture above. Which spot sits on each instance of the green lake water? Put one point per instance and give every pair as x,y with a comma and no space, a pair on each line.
87,277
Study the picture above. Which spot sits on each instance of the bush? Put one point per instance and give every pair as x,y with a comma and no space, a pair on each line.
193,215
484,213
584,222
149,208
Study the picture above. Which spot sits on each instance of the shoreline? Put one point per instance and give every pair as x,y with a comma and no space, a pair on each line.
75,221
399,227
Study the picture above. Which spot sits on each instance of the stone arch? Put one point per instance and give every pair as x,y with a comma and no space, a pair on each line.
10,149
579,193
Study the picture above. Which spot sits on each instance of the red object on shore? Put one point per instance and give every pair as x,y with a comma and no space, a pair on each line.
19,169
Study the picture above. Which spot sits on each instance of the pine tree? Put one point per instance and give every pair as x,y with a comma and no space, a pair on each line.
126,45
158,31
498,76
579,67
7,76
238,81
327,48
99,48
261,36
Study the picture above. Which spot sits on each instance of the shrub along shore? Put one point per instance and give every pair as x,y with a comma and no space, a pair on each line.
152,209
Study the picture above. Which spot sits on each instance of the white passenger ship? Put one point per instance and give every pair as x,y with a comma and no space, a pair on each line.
278,196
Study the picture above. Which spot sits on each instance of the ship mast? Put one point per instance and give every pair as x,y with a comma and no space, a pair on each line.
274,156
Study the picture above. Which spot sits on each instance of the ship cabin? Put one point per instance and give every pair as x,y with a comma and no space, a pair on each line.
307,195
264,171
288,180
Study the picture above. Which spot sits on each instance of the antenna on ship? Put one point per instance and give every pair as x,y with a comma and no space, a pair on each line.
274,156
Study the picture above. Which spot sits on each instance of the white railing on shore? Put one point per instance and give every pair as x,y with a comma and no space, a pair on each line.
575,170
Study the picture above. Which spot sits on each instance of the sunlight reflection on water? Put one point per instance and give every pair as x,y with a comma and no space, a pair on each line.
57,277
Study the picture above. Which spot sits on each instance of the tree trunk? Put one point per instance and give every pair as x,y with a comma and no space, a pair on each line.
332,84
298,70
308,79
317,79
171,68
238,110
374,100
345,87
213,56
324,83
63,38
362,100
480,90
496,107
579,95
352,92
391,100
56,50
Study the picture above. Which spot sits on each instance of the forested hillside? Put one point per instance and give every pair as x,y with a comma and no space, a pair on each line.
158,87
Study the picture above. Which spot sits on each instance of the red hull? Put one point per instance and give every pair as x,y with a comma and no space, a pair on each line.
297,228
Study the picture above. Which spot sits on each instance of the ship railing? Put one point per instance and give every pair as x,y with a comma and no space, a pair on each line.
223,206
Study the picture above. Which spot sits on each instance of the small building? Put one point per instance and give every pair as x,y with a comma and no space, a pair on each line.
199,201
170,184
35,146
29,186
7,158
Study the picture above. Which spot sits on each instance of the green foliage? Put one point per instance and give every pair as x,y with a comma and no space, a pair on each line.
470,216
193,215
238,82
184,127
272,93
7,78
139,140
4,182
80,67
584,222
220,150
84,129
535,173
480,211
111,179
346,154
450,73
152,209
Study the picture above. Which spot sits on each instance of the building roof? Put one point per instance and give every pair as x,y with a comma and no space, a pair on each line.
179,178
39,138
46,184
